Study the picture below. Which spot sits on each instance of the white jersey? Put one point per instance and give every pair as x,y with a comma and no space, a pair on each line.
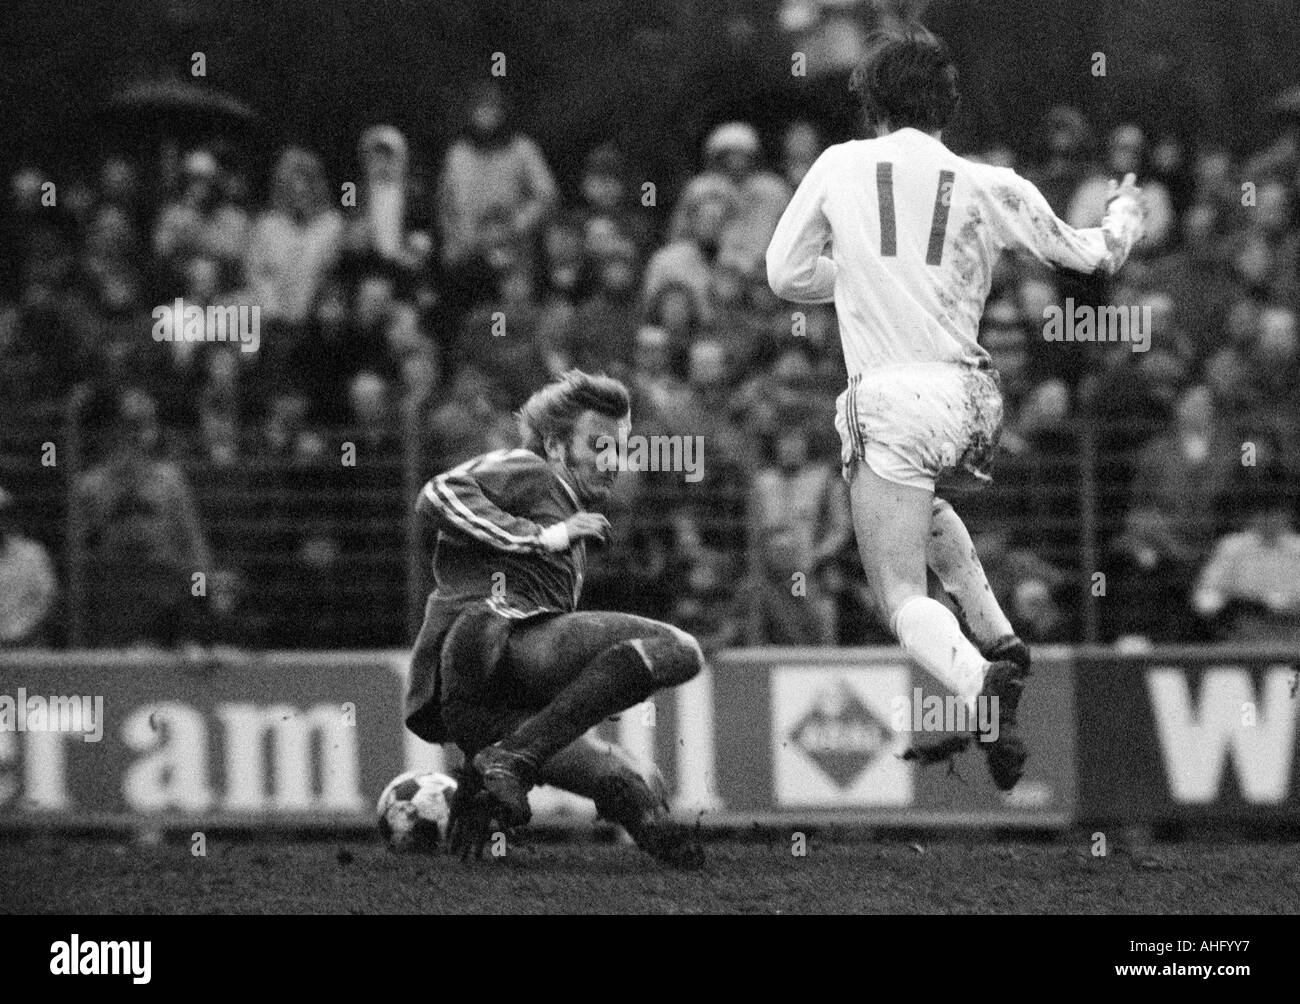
915,231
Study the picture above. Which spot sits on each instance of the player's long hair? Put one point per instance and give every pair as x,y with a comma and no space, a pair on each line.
555,409
907,78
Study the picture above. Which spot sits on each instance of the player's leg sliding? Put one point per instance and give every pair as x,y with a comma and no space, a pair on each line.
629,793
951,555
644,813
623,675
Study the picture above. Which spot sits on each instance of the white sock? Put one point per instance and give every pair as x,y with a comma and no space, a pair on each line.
951,556
930,634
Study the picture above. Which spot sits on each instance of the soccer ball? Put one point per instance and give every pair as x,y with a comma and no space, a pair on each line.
413,810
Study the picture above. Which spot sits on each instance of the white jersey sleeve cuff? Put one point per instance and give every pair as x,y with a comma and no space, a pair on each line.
555,537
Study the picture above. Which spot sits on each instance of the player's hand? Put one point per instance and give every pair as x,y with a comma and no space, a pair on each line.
588,525
473,818
471,826
1128,187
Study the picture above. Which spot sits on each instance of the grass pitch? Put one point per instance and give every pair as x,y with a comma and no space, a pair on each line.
840,873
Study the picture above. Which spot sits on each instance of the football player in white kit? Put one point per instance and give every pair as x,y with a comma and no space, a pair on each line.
902,234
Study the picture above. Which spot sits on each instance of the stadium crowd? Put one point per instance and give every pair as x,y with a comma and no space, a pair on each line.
401,324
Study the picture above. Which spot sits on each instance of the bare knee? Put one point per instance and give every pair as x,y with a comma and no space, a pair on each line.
672,656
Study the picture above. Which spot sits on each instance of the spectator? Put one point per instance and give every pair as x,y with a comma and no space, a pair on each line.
1251,583
471,421
732,151
655,387
109,319
703,214
706,347
285,434
379,229
1197,283
404,334
503,337
1032,589
631,572
1177,483
679,312
491,168
1275,354
1273,245
566,282
119,185
202,221
140,529
295,243
219,408
799,523
1033,500
708,605
800,148
605,326
27,584
1068,142
373,424
1216,181
788,395
1282,154
606,213
563,255
704,406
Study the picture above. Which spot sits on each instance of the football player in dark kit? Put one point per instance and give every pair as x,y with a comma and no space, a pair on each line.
504,666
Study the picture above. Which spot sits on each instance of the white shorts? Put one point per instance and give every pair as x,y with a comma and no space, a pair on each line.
917,423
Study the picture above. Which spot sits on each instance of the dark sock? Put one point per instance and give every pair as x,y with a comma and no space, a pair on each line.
612,682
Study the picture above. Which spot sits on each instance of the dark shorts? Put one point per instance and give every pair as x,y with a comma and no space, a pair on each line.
542,655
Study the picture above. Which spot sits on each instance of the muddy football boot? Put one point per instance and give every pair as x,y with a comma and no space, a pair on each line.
630,803
1009,649
929,754
507,777
1007,754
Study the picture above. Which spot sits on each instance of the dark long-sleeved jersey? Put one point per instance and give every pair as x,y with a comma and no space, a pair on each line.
493,514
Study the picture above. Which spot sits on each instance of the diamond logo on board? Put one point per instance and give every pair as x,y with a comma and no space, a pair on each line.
841,735
832,746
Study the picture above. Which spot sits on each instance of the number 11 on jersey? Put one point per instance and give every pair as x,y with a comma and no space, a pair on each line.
889,222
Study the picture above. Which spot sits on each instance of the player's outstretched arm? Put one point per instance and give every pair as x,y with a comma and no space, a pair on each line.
797,270
1028,224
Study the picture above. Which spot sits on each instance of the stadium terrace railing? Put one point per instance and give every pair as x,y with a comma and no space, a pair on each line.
297,531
